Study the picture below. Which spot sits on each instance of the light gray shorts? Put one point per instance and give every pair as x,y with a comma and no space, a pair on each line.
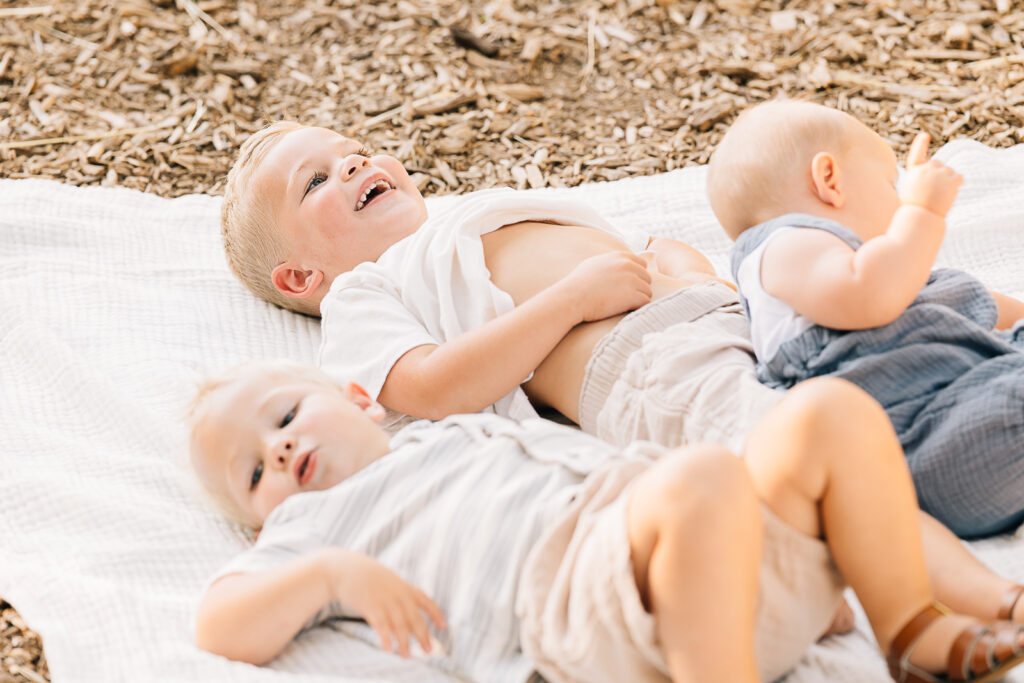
582,619
678,370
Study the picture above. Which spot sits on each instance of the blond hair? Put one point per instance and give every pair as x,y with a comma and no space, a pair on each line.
251,240
286,369
765,157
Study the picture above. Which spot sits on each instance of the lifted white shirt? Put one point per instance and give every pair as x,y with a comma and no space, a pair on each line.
433,286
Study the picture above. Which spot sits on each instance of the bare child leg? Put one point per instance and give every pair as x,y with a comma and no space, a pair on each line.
959,580
962,582
695,537
827,462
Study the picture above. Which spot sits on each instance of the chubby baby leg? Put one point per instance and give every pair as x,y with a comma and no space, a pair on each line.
694,530
827,461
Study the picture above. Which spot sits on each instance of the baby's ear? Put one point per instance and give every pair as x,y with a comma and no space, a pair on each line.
358,396
825,178
295,282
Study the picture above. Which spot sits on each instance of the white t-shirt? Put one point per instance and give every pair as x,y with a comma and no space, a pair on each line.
433,286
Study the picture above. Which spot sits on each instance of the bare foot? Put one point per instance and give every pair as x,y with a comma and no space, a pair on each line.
842,622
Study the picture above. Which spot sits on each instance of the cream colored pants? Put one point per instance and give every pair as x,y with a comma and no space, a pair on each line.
679,370
582,619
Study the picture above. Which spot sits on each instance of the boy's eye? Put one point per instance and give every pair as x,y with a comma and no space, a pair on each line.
257,474
363,152
317,178
288,417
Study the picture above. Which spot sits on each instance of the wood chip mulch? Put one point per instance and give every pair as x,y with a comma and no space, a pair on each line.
157,95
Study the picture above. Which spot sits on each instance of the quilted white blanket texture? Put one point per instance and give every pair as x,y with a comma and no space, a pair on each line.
115,303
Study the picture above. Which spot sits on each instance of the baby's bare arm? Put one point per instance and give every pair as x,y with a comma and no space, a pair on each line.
1010,310
828,282
472,371
252,617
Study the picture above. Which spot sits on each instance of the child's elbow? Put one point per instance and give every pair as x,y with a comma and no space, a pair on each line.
434,401
222,640
439,407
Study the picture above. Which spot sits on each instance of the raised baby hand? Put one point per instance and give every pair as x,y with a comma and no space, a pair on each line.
930,185
608,284
391,606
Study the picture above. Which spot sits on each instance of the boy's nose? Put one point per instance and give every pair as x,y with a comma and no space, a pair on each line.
354,162
283,450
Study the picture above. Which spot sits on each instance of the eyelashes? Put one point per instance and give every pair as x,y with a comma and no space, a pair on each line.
317,178
257,472
320,176
289,416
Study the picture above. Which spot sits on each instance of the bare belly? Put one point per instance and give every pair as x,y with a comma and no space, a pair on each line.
524,259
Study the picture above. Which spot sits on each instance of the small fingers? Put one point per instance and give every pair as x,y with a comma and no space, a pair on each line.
382,627
432,610
918,153
418,625
402,634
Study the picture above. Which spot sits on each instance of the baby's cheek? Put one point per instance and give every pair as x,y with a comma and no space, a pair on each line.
392,165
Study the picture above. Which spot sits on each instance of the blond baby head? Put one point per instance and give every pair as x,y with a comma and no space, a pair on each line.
303,205
266,430
774,159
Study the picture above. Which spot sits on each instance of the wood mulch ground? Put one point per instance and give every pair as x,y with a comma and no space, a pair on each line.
469,94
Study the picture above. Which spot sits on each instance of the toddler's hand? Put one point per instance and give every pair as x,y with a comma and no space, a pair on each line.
391,606
609,284
931,184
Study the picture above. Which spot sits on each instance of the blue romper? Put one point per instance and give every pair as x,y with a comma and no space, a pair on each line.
953,388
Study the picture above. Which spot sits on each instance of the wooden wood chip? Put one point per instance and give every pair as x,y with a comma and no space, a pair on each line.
179,65
520,91
22,12
467,39
446,173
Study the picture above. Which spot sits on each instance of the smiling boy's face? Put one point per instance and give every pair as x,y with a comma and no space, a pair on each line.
265,436
335,206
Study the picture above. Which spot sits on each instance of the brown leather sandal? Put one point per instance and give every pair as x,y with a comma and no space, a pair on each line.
1010,599
980,654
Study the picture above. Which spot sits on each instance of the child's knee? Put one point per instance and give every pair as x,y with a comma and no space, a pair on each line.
833,403
820,420
697,480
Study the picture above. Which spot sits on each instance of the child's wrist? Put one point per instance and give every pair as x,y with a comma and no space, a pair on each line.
328,564
922,210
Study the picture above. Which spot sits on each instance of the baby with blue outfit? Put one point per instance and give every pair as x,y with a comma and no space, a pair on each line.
834,267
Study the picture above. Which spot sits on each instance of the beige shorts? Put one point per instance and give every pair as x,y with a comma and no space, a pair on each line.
679,370
582,618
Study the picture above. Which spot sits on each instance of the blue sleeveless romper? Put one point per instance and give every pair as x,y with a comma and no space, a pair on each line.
952,387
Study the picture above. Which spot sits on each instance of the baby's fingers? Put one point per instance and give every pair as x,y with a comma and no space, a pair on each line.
381,624
918,153
402,634
432,610
418,625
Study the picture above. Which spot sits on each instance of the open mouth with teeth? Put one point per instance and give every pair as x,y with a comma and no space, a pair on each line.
372,192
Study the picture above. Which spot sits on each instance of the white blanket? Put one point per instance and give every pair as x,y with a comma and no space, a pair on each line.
115,303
